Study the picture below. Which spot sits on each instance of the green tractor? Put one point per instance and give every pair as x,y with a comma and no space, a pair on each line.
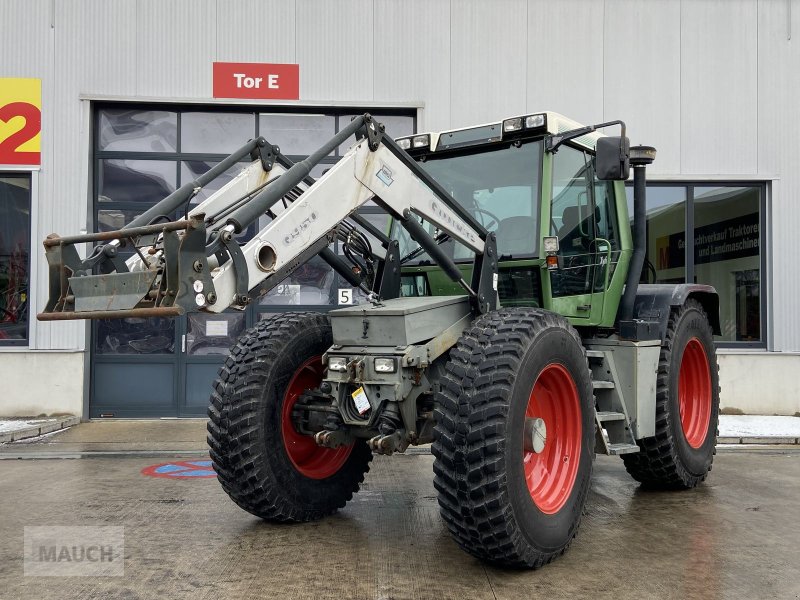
502,321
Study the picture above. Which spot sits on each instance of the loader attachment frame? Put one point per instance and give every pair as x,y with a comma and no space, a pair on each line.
197,263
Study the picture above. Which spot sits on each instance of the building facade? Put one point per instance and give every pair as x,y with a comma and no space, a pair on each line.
129,111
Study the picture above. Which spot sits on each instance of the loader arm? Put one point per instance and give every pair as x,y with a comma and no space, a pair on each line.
197,264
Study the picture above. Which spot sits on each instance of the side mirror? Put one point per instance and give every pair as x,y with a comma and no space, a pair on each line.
612,161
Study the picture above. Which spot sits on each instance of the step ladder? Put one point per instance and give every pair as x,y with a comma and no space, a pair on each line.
613,433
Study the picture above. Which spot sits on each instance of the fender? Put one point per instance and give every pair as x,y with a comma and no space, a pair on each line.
654,302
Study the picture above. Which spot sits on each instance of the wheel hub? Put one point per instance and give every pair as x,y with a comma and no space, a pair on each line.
535,434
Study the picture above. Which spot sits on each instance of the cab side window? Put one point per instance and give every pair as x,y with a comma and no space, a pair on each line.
572,218
605,197
574,221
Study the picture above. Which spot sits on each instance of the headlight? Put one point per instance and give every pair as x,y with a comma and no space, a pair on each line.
510,125
337,363
534,121
420,141
385,365
404,143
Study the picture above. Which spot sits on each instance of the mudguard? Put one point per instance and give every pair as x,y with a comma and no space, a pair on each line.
655,301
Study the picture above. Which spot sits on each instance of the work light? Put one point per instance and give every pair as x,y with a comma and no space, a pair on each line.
533,121
385,365
420,141
514,124
337,363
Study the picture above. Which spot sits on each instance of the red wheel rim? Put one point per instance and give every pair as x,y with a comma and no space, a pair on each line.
551,474
694,393
313,461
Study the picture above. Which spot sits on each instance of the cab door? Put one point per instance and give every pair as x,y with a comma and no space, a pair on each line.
577,287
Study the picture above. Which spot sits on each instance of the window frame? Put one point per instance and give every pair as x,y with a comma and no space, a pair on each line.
764,190
26,341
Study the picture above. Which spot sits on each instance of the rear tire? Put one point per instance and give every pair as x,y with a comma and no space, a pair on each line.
263,464
680,454
503,502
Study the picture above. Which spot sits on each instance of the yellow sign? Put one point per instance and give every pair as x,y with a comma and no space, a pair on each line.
20,121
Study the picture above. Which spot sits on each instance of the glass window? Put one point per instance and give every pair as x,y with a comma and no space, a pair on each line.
723,250
135,180
727,244
15,247
500,188
137,130
216,133
136,336
213,334
605,200
665,257
572,219
298,133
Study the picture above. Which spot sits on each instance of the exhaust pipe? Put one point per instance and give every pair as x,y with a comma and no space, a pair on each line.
640,157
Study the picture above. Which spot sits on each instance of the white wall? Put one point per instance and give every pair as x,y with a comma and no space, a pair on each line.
36,383
760,383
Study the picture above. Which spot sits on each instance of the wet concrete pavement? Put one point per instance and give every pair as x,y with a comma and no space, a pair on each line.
737,536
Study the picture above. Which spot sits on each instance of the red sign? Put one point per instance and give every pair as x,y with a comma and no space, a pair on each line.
256,80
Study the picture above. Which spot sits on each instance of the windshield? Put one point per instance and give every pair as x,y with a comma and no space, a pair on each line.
499,187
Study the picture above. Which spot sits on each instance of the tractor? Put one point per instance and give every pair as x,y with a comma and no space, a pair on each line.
499,316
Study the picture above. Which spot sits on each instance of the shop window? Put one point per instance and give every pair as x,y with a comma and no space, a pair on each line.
215,132
135,180
135,336
129,130
213,334
727,255
297,134
15,247
724,249
665,256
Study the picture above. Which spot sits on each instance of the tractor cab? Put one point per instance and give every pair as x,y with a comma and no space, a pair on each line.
562,231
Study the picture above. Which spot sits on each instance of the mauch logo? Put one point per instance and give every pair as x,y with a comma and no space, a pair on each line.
70,551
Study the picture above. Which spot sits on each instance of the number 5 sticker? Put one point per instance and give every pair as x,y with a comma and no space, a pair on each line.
345,295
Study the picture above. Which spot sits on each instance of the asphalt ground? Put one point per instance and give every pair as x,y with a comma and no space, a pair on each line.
736,536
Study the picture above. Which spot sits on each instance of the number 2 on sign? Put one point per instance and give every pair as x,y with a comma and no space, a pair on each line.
32,126
345,296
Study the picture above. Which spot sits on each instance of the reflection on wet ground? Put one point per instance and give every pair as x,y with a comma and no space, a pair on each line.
737,536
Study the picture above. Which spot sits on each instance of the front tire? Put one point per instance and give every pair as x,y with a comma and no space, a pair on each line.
680,454
503,499
264,465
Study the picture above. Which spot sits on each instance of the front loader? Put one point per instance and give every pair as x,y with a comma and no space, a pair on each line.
504,323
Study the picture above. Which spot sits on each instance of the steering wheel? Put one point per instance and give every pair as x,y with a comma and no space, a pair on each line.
493,218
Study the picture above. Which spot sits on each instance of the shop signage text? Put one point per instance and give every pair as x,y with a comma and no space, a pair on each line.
256,80
724,240
20,121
